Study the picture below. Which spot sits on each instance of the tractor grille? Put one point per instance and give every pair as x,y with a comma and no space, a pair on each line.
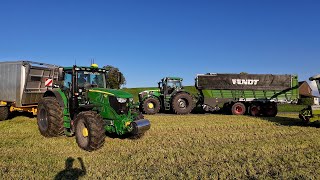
120,108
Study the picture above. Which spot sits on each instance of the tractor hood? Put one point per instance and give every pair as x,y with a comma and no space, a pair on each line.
112,92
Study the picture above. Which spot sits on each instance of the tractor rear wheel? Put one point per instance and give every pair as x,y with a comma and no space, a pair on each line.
50,117
151,106
238,108
4,113
182,103
89,130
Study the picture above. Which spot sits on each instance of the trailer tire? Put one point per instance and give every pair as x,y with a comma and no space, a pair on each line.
90,133
4,113
254,110
271,110
151,106
238,108
182,103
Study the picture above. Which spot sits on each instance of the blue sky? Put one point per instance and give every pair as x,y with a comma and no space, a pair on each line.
150,39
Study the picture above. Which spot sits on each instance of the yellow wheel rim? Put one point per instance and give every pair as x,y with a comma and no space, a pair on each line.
85,132
150,105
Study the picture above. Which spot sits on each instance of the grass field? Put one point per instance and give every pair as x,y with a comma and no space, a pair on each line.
191,146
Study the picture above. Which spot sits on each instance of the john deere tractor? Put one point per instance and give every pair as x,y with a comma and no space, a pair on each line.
79,104
311,113
169,96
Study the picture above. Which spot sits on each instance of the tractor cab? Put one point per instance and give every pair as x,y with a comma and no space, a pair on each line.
78,80
169,85
311,113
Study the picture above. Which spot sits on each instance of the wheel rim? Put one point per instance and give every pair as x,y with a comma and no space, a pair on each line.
182,104
254,110
239,109
150,105
83,134
43,119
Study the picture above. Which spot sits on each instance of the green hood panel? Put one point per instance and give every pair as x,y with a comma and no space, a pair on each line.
112,92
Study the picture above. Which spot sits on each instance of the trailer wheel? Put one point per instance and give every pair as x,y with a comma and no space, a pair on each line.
271,110
254,110
238,108
50,117
90,133
4,113
182,103
151,106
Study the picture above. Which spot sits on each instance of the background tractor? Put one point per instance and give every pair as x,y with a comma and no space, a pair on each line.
79,104
169,96
311,113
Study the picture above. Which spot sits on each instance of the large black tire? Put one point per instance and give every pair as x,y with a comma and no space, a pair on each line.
255,110
50,117
238,108
271,110
151,106
182,103
4,113
89,130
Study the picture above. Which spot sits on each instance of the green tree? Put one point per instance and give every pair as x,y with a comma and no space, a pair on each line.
115,78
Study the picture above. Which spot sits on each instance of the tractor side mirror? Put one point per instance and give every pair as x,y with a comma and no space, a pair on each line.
159,85
61,74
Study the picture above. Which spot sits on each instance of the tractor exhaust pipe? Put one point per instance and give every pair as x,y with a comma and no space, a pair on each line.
140,126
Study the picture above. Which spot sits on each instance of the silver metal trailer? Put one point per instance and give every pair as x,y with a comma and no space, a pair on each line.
22,85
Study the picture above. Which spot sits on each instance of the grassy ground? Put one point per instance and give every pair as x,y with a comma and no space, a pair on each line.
176,147
290,107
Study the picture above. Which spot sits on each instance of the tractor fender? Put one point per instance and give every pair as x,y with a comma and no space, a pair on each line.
179,92
59,95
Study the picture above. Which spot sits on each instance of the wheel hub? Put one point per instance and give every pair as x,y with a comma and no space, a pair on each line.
239,109
182,103
85,132
150,105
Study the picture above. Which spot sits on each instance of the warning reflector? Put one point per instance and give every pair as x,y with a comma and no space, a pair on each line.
48,83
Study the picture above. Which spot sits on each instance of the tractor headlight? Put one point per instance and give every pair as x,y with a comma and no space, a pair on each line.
122,100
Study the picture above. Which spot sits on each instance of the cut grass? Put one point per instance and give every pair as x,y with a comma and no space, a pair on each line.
176,147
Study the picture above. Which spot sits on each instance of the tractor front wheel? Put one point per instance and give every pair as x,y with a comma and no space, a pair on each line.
50,117
182,103
151,106
4,113
89,130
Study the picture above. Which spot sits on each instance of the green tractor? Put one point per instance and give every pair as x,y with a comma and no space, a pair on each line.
79,104
311,113
169,96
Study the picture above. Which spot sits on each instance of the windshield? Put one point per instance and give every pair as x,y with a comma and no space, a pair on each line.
93,79
174,84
